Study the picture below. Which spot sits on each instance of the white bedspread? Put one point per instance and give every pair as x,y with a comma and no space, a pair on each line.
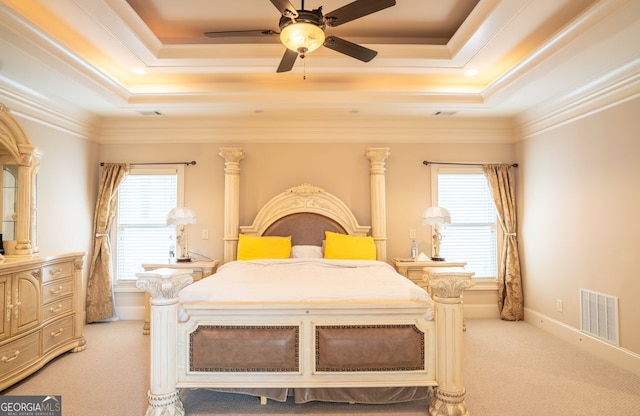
305,281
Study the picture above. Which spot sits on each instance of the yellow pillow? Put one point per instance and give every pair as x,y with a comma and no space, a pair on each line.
254,248
347,247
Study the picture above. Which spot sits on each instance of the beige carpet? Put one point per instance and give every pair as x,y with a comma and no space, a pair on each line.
511,369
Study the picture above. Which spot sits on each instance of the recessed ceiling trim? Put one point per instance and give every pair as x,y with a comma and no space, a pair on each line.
540,61
58,57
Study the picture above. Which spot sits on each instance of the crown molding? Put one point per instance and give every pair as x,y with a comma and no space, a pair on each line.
43,114
610,90
358,129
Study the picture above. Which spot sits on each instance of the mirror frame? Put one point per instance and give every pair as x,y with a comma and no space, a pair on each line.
15,148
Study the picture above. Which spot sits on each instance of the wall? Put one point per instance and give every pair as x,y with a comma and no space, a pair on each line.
579,201
339,168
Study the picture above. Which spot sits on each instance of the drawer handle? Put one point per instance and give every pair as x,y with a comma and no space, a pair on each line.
56,291
6,359
55,310
57,333
55,272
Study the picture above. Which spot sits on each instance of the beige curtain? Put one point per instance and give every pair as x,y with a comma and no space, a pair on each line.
510,298
99,301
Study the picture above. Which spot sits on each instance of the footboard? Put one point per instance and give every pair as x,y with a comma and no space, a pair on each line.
295,346
305,346
276,348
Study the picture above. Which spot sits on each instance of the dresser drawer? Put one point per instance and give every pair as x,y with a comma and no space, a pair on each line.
57,308
57,271
19,353
56,290
56,333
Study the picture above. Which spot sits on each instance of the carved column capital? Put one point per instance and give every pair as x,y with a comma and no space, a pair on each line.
377,157
232,155
450,286
164,284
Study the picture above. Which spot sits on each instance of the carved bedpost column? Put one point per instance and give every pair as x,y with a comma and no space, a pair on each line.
164,285
447,284
232,157
377,157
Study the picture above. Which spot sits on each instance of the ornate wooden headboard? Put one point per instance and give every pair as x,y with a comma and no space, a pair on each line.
283,214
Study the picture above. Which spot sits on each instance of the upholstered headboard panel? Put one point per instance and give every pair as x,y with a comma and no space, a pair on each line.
304,228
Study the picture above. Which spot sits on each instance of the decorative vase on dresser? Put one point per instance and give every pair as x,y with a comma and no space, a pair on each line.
41,310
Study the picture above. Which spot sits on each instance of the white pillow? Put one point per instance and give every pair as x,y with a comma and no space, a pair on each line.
301,251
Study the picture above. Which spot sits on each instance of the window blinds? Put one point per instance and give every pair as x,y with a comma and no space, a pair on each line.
143,236
471,236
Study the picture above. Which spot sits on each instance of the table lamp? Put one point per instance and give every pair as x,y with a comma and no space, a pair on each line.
436,216
180,217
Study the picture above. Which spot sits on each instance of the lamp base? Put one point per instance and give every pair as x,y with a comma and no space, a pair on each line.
437,258
187,260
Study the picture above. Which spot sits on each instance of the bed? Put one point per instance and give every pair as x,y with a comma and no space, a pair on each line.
303,325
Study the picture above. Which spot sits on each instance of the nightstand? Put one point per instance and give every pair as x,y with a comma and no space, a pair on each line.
414,270
201,269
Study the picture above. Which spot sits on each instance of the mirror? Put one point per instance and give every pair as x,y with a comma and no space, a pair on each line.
19,160
9,196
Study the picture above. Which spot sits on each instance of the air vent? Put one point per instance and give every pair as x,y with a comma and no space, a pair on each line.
599,315
150,113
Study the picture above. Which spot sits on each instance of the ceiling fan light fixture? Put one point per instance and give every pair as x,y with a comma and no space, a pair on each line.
302,37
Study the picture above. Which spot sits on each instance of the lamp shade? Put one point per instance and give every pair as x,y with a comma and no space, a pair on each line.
181,215
302,37
436,215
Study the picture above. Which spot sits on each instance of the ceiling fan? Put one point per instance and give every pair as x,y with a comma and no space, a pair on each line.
302,31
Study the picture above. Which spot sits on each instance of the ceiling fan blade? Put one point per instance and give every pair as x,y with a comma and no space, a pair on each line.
356,10
349,48
241,33
288,59
285,7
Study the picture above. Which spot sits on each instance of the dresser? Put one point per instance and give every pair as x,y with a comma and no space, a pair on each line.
201,269
41,308
414,270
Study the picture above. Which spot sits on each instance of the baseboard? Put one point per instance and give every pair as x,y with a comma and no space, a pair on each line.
130,313
480,311
621,357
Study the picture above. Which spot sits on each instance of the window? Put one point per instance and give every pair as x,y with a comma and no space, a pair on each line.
145,197
472,235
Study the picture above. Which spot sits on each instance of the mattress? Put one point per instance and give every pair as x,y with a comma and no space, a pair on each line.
306,281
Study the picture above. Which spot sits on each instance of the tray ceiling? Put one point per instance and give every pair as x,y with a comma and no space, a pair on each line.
130,58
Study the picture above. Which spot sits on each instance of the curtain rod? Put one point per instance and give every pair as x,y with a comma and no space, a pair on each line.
426,163
193,162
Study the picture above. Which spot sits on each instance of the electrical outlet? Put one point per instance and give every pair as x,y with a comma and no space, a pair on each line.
559,305
412,233
205,234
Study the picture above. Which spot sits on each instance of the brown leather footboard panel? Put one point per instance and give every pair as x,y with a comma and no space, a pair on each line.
369,348
244,348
